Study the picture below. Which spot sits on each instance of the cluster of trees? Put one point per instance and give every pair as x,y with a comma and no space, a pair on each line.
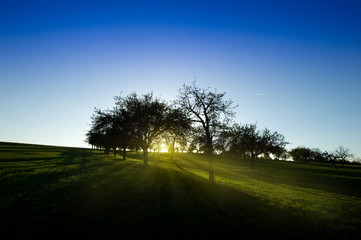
247,141
198,120
303,154
137,122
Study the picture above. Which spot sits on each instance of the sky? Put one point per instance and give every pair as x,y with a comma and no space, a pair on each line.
291,66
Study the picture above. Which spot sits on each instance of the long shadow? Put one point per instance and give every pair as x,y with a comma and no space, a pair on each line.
131,201
321,178
307,227
33,159
45,174
172,204
182,169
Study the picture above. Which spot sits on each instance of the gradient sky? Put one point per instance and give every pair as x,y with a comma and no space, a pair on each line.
292,66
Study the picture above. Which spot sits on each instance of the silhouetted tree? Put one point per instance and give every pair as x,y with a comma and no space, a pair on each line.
342,154
222,142
317,156
123,125
331,158
192,146
357,160
179,127
149,117
282,154
301,154
304,154
102,132
197,140
111,129
247,138
92,137
208,110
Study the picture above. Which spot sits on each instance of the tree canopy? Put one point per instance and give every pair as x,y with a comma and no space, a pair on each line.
150,117
247,139
198,120
210,114
136,121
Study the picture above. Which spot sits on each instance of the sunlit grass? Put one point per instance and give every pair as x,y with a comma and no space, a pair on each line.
85,191
313,190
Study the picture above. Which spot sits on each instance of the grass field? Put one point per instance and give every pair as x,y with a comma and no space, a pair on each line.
56,191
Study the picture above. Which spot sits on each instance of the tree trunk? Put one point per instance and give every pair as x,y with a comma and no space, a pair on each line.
145,157
253,157
172,149
209,152
115,151
124,152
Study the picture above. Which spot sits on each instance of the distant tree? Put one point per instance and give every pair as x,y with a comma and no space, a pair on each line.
357,160
179,127
197,139
209,111
282,154
111,129
156,144
92,138
222,142
149,117
246,138
102,132
331,158
192,146
304,154
342,154
318,156
301,154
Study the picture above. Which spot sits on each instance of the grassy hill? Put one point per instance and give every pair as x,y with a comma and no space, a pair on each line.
56,191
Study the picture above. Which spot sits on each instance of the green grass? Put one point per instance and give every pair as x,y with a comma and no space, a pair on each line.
81,192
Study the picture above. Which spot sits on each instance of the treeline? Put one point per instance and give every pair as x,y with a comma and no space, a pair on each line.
199,120
137,122
341,155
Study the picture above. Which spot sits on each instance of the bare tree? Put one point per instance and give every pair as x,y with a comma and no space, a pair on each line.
342,154
330,157
210,111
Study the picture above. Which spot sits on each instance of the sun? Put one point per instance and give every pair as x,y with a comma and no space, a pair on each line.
163,147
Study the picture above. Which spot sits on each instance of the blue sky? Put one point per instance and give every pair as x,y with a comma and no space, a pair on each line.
291,66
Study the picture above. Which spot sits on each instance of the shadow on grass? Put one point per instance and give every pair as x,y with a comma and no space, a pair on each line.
126,200
169,204
34,159
321,177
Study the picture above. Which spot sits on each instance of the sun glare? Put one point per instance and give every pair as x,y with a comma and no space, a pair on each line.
163,148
